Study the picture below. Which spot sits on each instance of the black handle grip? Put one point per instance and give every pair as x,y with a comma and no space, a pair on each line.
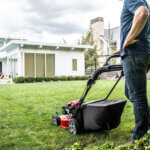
110,57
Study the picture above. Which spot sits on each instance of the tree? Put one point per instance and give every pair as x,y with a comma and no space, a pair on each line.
111,44
91,58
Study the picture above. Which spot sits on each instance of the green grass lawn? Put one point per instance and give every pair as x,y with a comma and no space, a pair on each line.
26,110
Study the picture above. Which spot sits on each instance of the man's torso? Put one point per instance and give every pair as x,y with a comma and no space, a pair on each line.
127,15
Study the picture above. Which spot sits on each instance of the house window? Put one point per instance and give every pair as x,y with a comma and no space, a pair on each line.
74,64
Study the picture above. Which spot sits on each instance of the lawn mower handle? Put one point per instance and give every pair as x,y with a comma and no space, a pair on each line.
105,68
110,57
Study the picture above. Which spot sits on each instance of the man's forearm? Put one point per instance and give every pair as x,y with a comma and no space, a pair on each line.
139,22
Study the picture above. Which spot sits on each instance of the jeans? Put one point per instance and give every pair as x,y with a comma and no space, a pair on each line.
135,69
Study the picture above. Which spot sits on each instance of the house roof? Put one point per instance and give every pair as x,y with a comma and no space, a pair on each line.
7,39
21,43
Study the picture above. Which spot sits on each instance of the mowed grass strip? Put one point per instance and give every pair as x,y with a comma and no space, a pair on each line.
26,110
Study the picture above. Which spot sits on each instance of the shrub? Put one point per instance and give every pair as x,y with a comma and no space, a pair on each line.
84,77
69,78
55,78
39,79
19,80
63,78
15,79
77,77
47,79
30,79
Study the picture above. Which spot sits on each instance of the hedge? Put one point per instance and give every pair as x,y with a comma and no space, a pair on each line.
47,79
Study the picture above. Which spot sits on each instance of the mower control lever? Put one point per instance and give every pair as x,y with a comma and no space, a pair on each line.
105,68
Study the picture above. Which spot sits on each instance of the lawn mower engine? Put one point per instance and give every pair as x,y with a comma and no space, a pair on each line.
69,112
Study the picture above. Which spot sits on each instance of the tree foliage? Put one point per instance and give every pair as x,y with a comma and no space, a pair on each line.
91,58
111,44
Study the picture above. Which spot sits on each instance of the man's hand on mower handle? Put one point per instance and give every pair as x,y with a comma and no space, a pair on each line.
116,52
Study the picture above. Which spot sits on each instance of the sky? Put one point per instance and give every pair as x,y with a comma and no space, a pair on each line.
55,20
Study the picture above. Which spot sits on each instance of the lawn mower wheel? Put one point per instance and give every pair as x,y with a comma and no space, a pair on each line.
73,126
55,120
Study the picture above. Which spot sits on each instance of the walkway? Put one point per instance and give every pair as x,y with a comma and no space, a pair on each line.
4,81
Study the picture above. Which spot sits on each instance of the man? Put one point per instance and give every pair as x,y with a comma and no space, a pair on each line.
135,53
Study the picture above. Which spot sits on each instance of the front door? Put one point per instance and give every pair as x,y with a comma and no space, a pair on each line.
0,67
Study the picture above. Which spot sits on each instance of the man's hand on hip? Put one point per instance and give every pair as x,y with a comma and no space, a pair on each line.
139,21
127,43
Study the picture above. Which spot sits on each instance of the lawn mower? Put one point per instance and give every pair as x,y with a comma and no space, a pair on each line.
79,116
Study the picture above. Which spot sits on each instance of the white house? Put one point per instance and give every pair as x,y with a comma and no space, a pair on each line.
20,57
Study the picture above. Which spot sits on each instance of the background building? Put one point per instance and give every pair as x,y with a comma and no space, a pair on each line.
20,57
107,40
